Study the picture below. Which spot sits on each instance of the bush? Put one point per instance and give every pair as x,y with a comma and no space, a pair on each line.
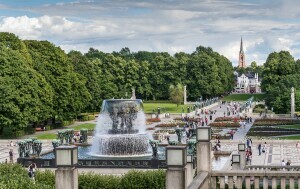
14,176
91,180
133,179
46,177
91,117
29,130
48,127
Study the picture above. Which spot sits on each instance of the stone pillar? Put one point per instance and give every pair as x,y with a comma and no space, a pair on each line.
184,95
292,102
204,157
66,178
190,173
243,160
176,178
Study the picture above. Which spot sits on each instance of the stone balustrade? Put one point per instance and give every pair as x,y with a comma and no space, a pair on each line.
254,179
272,168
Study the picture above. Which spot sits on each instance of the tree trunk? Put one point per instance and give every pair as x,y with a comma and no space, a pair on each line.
1,130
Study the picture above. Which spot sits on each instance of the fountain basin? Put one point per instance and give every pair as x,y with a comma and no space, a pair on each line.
121,145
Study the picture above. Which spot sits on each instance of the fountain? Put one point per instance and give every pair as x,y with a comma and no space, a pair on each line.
121,130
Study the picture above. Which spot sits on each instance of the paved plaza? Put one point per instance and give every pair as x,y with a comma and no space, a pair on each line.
277,150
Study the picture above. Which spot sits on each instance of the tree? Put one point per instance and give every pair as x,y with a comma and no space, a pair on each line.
176,94
70,92
25,95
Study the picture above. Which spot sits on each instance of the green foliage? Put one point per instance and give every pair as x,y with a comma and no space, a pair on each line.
46,177
47,136
25,95
165,107
176,94
14,176
244,97
91,180
89,126
130,180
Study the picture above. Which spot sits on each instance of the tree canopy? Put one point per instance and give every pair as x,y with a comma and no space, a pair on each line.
39,81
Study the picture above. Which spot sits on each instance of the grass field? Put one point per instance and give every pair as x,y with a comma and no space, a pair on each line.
244,97
294,137
290,126
47,136
89,126
165,107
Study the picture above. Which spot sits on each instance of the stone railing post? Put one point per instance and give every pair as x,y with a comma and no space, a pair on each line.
176,157
242,153
66,175
204,151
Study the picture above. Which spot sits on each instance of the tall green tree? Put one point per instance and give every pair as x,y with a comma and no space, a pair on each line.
25,95
176,94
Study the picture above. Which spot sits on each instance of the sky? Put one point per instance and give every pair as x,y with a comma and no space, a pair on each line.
159,25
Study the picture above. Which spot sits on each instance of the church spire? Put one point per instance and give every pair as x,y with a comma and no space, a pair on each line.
241,47
242,62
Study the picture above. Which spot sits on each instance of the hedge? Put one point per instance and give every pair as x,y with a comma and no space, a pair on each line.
14,176
132,179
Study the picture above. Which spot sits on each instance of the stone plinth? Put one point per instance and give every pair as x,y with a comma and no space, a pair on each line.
66,178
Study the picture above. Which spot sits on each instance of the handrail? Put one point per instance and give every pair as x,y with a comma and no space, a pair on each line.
199,180
259,173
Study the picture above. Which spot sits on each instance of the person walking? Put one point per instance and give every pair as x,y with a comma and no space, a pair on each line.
11,156
264,148
259,149
206,120
31,171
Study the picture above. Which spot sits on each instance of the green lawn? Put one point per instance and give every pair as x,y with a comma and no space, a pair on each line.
290,126
165,107
244,97
47,136
294,137
89,126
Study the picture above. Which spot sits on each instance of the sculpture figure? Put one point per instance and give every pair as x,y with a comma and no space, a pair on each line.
154,145
83,133
55,143
178,133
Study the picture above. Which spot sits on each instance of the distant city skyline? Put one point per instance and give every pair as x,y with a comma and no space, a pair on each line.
159,25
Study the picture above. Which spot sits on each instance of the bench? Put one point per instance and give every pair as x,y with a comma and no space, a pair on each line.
39,129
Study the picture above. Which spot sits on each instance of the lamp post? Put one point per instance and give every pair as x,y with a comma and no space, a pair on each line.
266,109
190,168
176,157
66,175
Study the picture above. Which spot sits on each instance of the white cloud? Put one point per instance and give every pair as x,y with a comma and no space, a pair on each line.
163,25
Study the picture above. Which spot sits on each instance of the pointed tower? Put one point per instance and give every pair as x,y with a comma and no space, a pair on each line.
242,62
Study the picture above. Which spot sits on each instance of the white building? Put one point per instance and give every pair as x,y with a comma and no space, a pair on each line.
247,83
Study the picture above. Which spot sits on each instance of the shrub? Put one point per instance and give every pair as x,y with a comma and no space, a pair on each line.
91,117
46,177
270,122
48,127
29,130
133,179
14,176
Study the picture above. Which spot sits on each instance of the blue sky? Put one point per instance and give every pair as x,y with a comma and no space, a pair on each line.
159,25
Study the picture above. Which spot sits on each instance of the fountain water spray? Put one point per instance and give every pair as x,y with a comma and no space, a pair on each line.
121,129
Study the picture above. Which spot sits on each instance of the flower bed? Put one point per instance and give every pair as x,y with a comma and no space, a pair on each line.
224,124
153,120
222,119
170,125
150,128
170,131
270,122
191,119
